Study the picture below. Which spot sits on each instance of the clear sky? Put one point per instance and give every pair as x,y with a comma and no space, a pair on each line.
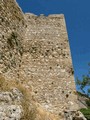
77,16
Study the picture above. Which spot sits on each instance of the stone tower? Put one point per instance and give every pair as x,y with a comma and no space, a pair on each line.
34,50
46,62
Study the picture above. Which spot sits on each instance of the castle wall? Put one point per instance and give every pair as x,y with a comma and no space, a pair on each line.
11,35
46,62
35,57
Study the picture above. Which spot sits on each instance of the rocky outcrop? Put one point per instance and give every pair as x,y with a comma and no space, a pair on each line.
36,66
82,98
74,115
18,103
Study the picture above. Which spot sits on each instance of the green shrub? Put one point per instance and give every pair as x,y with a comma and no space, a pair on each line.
88,103
86,113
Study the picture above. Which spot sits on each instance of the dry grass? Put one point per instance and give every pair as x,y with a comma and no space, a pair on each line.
32,110
7,85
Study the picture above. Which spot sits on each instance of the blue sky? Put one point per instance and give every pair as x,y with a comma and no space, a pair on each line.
77,16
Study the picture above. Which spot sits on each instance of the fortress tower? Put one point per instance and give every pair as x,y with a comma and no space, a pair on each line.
35,52
46,62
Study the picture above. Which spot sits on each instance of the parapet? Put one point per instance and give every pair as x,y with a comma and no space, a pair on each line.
56,16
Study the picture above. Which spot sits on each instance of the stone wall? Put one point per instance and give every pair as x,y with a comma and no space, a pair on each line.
46,62
11,35
35,51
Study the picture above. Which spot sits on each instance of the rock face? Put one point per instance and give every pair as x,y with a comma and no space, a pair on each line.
11,36
8,110
36,66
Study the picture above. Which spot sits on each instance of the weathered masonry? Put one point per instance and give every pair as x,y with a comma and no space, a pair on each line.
34,51
46,62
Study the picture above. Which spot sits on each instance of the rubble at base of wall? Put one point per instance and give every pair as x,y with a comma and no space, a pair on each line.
74,115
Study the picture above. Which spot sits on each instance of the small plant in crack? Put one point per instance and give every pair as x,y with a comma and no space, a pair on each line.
12,40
